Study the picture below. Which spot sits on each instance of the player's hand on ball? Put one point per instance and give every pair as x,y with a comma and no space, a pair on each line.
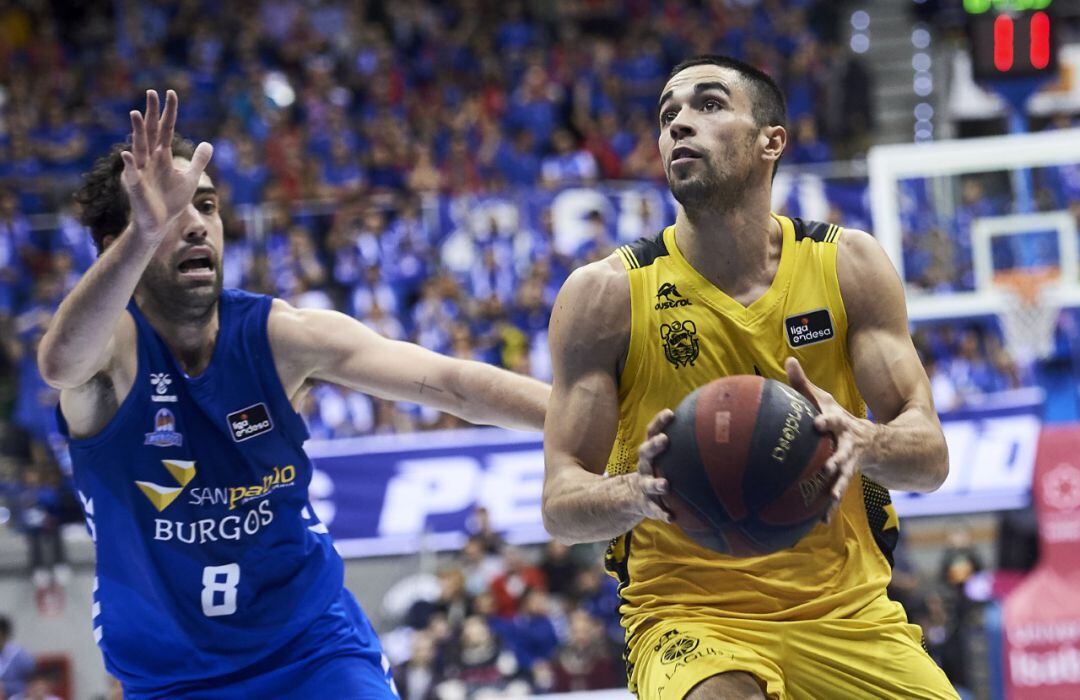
648,487
854,436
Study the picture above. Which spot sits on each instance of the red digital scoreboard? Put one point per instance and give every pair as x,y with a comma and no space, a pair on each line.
1013,44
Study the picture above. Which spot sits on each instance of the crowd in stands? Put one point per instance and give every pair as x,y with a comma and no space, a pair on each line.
336,100
508,624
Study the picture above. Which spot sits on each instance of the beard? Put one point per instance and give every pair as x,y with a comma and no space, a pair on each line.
177,299
710,188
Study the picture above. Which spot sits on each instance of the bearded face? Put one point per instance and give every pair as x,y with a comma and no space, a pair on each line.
709,138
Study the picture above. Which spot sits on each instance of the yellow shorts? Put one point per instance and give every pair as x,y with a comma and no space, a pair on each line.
876,655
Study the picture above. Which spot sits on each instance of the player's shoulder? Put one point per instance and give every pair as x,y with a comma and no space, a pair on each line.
597,281
860,252
869,284
593,305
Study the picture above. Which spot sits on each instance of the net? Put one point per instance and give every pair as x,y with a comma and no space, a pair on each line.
1028,314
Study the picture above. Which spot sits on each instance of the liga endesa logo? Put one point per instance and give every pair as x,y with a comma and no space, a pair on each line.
249,422
808,328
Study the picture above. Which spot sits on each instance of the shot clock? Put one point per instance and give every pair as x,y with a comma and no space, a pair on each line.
1012,38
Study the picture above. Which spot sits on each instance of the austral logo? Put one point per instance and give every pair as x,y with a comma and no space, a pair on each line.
668,297
809,328
249,422
680,342
161,496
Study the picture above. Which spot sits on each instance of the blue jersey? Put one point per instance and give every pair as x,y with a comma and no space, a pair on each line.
209,556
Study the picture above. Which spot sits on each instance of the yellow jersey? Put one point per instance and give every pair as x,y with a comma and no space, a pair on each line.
684,333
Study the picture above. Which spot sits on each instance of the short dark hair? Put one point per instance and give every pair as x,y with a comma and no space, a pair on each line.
769,106
105,205
5,626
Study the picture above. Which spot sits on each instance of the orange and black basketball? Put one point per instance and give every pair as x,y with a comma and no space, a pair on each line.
745,466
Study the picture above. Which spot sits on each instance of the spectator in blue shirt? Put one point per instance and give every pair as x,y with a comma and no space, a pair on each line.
809,147
16,664
569,164
247,182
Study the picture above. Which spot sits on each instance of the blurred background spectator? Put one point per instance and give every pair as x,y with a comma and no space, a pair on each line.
16,664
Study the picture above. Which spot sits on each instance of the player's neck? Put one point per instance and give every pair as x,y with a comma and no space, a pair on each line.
737,250
190,340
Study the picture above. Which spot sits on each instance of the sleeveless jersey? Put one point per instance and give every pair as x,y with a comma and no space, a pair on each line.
209,556
684,333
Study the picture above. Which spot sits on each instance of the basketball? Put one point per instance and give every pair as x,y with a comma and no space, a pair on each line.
744,466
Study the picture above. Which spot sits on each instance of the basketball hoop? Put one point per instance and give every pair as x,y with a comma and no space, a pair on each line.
1028,314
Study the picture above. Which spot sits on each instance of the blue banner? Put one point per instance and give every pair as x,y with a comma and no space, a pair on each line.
628,211
397,494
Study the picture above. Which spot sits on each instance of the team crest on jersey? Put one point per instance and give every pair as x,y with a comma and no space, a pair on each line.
164,434
161,381
809,328
668,297
249,422
678,648
680,342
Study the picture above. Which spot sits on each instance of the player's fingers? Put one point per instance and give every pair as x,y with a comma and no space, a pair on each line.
834,422
837,493
199,160
130,175
659,422
842,455
649,450
845,469
653,446
655,511
153,115
168,118
138,139
653,486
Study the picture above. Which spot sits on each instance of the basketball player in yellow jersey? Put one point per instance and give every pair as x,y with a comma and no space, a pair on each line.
729,289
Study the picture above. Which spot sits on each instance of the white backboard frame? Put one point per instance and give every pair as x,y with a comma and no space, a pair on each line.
888,164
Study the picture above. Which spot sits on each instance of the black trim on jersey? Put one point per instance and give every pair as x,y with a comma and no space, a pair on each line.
816,231
621,570
875,498
644,251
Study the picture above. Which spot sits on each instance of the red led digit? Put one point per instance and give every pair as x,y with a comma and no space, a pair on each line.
1040,40
1003,43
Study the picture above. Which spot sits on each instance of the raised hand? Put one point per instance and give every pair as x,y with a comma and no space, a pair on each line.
647,485
854,436
158,191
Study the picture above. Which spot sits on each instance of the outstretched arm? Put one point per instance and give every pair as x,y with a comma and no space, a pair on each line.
905,449
81,340
590,328
329,346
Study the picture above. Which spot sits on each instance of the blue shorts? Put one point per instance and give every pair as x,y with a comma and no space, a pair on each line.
338,657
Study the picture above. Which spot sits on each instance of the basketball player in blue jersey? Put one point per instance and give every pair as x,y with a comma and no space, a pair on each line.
215,579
